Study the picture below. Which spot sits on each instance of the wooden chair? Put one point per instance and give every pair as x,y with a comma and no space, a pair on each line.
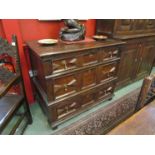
13,101
147,93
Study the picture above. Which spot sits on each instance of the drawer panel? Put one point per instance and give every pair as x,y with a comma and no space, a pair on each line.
107,72
67,107
88,78
109,53
90,57
65,85
64,64
106,90
88,99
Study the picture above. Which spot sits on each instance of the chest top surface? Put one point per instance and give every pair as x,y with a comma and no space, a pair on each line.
61,48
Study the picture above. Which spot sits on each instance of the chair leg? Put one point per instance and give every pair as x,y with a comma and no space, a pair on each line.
28,112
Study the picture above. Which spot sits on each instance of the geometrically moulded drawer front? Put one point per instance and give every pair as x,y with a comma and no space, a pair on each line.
65,64
107,72
65,85
66,108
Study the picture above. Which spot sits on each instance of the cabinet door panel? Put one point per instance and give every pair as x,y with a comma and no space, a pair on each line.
146,59
150,24
139,24
127,65
124,25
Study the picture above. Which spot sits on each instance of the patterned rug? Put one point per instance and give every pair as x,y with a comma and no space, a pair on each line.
104,119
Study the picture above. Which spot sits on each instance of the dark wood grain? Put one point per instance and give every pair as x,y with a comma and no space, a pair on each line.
62,48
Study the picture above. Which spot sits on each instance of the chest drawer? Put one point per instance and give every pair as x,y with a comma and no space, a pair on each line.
109,53
65,108
65,85
64,64
106,90
107,72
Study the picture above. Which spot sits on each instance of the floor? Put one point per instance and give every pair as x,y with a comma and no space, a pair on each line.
141,123
40,125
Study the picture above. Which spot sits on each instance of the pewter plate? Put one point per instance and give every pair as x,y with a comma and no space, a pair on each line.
47,41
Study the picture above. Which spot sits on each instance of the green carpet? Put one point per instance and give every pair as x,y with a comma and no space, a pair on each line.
40,125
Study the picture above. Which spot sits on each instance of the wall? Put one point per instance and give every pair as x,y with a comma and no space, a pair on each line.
1,30
33,29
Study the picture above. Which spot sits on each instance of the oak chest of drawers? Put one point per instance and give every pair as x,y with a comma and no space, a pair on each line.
70,79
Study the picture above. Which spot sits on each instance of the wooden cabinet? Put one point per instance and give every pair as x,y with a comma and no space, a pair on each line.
125,28
129,60
72,78
136,60
138,53
146,58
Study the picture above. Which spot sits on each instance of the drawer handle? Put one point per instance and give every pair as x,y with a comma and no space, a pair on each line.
110,53
72,82
115,52
136,60
91,55
59,87
112,69
110,88
73,105
73,61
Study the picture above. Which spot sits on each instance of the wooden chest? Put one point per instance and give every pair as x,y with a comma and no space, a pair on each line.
70,79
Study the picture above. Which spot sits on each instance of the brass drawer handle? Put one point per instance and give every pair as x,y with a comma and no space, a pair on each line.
112,69
73,105
91,55
72,82
73,61
115,52
110,88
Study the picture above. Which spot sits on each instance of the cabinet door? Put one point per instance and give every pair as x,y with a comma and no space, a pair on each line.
124,25
127,65
139,24
150,25
146,59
